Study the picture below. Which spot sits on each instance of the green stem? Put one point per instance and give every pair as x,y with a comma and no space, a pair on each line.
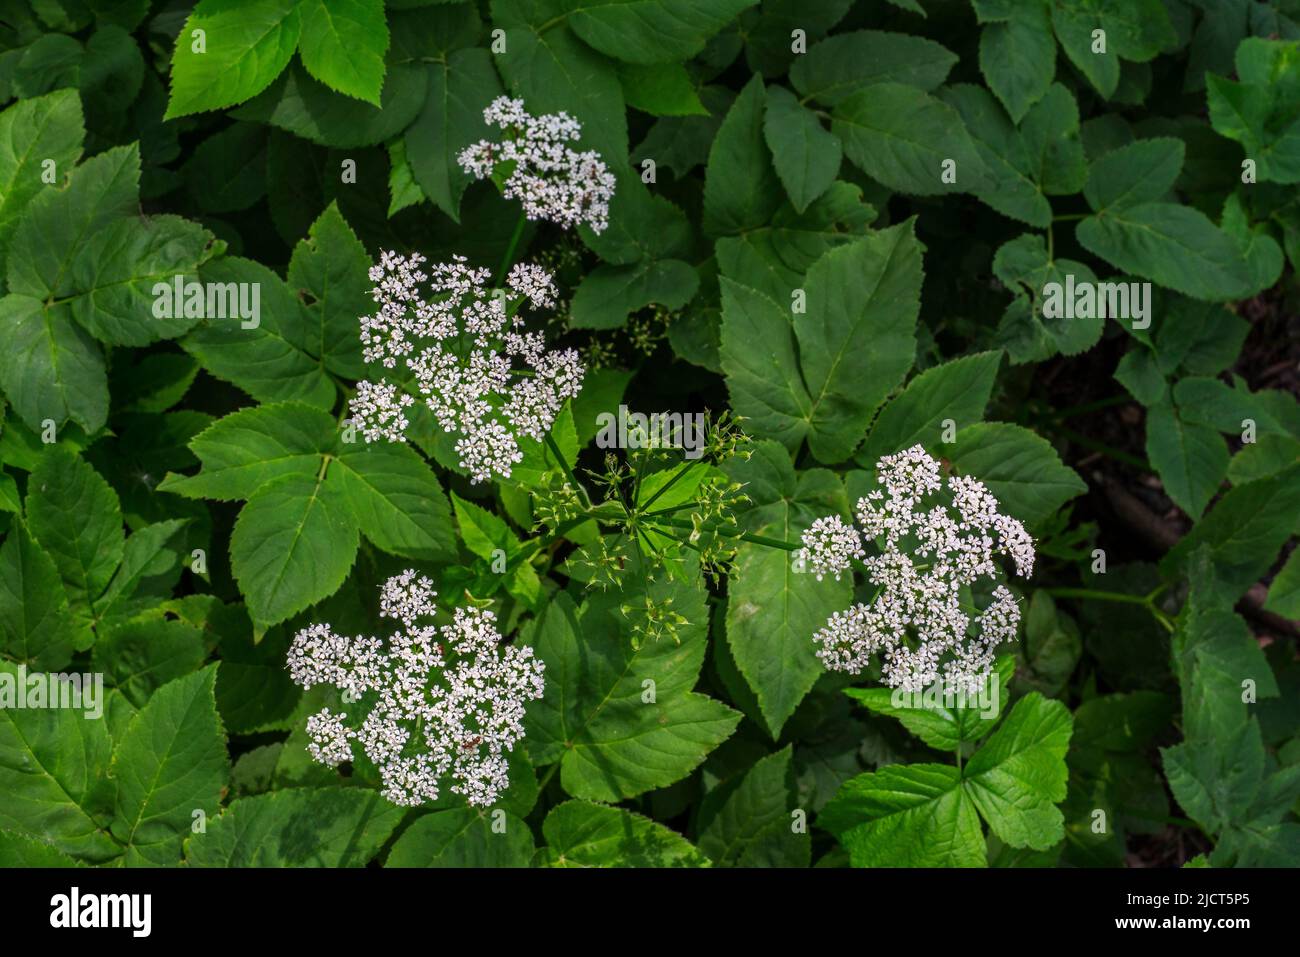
731,531
1070,217
568,471
508,260
1097,594
1146,601
1103,448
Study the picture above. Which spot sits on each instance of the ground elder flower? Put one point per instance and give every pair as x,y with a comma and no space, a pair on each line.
466,355
830,547
551,180
936,540
431,705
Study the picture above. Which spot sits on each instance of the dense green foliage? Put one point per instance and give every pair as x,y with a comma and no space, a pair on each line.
835,226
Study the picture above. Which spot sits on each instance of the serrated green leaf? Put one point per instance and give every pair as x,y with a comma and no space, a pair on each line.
908,140
841,65
296,827
170,762
464,837
54,774
773,610
1021,469
583,834
612,739
748,823
242,47
343,43
652,31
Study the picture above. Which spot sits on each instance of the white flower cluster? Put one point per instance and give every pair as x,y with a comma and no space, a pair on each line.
930,552
443,703
478,372
551,180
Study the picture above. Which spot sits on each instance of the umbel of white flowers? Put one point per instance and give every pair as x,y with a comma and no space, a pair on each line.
481,375
550,179
434,704
931,547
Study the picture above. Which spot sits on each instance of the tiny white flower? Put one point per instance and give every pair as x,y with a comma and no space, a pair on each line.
930,551
444,704
551,180
467,356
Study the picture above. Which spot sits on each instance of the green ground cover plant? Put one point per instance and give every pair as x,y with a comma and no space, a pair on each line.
580,433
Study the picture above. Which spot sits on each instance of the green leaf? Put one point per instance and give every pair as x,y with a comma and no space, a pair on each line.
869,290
773,611
1172,245
403,190
748,823
773,258
244,47
761,364
553,70
54,775
1284,593
661,89
293,544
741,189
1141,172
33,132
245,450
227,172
1025,268
1259,113
941,726
76,517
464,837
1021,469
1018,58
36,624
609,294
846,63
19,850
254,689
140,656
450,120
52,369
1191,459
1018,776
957,390
906,139
915,815
170,761
117,273
329,272
396,500
652,31
806,156
582,834
305,107
343,44
269,361
613,743
296,827
1244,531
